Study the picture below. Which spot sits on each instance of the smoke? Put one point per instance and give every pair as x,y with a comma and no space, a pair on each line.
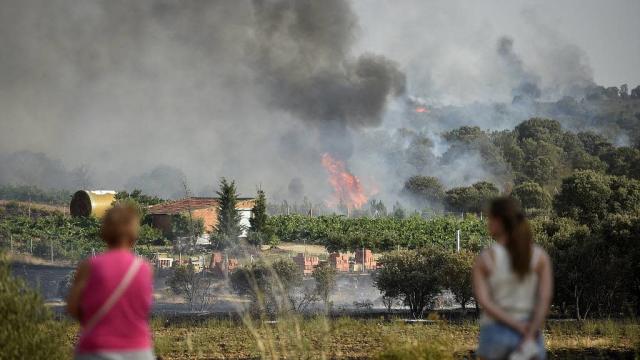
143,93
528,83
304,66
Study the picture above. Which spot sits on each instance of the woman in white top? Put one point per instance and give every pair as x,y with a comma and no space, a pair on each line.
512,283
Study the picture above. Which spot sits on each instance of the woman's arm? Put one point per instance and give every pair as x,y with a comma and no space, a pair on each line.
483,298
75,293
545,294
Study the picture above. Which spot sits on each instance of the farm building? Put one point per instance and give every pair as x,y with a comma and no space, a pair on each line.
205,208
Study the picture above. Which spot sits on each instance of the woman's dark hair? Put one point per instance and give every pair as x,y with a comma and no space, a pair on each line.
518,232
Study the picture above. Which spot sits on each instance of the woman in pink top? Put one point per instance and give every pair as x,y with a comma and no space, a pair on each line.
112,293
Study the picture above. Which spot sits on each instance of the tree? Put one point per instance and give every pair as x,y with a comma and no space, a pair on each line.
415,276
471,198
424,189
193,286
623,161
325,277
258,231
229,228
584,196
258,219
458,276
532,196
28,330
419,153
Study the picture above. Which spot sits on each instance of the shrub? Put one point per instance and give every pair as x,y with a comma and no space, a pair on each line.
27,330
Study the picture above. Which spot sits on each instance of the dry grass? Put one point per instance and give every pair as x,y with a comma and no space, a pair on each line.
319,338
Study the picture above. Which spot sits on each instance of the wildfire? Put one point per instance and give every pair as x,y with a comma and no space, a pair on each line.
347,189
422,109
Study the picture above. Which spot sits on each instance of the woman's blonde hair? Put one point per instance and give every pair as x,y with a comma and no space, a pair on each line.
121,223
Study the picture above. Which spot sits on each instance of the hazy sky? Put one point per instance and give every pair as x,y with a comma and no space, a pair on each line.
605,30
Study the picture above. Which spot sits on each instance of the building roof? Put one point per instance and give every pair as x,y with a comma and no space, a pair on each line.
184,205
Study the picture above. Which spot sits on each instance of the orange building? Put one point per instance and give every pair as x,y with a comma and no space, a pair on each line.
204,208
339,261
306,263
365,259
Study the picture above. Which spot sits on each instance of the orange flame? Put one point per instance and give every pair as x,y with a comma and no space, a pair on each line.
347,189
422,109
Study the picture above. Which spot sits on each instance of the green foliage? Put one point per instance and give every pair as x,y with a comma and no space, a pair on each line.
150,235
414,276
185,226
532,196
139,197
69,237
595,265
325,277
379,234
258,219
259,231
588,196
471,198
457,274
28,330
424,190
229,227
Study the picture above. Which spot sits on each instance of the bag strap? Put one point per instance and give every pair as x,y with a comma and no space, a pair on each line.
115,295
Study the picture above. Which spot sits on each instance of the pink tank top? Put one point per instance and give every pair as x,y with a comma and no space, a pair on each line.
126,325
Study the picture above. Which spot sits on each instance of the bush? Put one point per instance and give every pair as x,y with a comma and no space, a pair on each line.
27,330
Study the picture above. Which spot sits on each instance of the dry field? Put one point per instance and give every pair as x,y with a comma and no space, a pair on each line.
345,338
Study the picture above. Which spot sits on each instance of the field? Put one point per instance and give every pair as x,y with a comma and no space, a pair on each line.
341,338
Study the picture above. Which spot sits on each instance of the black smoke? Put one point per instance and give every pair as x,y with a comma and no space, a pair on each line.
527,84
304,65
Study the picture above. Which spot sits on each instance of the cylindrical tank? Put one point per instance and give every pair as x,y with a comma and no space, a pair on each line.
91,202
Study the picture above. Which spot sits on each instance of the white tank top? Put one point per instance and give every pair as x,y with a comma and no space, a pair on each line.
516,296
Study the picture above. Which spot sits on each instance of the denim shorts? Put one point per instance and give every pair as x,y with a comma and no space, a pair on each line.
497,341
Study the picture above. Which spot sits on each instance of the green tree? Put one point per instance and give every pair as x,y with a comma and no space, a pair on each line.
258,219
471,198
584,196
325,277
424,189
532,196
259,231
415,276
457,274
229,227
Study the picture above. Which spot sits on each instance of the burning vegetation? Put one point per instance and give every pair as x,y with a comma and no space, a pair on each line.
348,191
